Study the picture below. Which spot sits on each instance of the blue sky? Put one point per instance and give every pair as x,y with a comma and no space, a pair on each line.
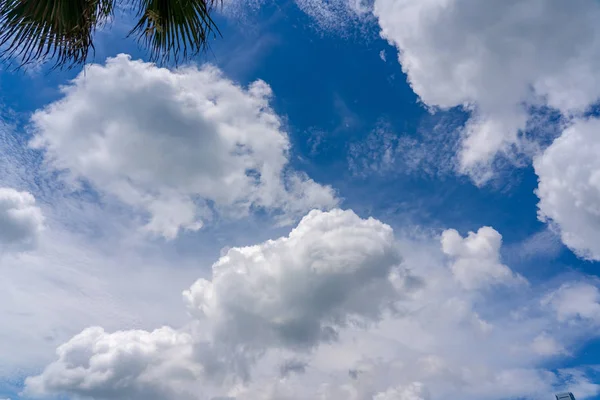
450,147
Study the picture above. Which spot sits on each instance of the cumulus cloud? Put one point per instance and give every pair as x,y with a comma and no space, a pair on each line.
301,317
297,290
569,187
294,292
21,221
497,61
579,300
122,365
79,272
175,144
476,258
67,283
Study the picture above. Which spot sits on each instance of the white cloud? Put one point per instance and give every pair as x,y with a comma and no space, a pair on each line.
544,244
377,154
497,61
268,304
294,292
121,365
545,345
298,290
175,144
384,152
569,187
582,386
337,15
341,17
21,221
476,258
575,300
414,391
81,269
68,283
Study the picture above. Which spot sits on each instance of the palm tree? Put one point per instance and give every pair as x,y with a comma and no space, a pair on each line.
34,31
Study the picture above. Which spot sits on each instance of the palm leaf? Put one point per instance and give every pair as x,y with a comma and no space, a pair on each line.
35,30
174,29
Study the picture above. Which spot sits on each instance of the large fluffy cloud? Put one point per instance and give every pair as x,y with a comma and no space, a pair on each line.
80,269
122,365
569,186
497,60
294,292
21,220
176,144
297,290
403,329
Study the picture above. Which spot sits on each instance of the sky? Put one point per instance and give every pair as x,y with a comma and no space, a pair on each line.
345,199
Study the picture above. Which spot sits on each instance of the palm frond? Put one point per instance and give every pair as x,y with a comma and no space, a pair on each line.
35,30
174,29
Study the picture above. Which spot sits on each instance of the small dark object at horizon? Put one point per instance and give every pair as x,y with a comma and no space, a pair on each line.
565,396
